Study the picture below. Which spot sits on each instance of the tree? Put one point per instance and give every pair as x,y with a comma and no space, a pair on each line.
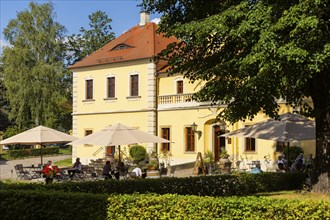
88,41
36,81
251,53
4,121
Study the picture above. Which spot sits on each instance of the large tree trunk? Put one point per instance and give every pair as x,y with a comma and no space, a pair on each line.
320,93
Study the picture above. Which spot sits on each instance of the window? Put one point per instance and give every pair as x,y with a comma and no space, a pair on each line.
89,89
166,135
190,139
179,87
134,85
250,144
280,146
88,132
111,87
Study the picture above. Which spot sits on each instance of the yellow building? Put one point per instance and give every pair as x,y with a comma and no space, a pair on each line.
121,83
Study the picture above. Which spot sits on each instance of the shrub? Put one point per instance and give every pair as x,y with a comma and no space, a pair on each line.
152,206
36,204
293,152
33,152
220,185
138,153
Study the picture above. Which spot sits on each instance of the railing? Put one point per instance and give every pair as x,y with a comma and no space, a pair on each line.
179,98
97,151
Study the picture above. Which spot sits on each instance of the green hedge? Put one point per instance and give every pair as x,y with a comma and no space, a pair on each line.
220,185
194,207
33,152
36,204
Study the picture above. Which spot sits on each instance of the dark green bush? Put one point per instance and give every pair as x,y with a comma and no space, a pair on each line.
167,206
36,204
221,185
138,153
293,152
33,152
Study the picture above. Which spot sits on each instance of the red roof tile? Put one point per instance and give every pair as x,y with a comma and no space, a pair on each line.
143,42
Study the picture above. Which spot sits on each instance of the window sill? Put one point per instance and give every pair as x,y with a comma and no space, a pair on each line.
250,152
190,152
89,100
133,97
110,99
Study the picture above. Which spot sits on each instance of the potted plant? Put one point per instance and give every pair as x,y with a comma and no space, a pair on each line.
224,162
165,157
209,161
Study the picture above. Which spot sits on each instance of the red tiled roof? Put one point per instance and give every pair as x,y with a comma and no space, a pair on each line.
143,42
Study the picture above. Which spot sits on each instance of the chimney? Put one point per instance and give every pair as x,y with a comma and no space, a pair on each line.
144,18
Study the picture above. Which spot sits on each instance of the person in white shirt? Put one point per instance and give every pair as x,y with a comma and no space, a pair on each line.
137,171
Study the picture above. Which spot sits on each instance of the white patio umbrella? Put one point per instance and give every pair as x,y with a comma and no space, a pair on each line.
118,134
40,135
289,127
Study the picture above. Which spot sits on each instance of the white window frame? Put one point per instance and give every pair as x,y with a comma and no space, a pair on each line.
129,83
106,86
175,85
85,86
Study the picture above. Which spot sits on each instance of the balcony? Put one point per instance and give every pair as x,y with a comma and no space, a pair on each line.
176,101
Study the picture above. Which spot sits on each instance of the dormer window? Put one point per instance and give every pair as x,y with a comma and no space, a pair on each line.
121,47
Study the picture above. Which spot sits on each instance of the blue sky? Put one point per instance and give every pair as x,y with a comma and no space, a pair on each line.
73,14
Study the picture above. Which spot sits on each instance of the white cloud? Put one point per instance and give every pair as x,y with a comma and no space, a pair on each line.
156,20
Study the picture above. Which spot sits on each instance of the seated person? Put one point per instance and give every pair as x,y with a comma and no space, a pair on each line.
280,167
297,166
137,171
77,166
50,171
106,170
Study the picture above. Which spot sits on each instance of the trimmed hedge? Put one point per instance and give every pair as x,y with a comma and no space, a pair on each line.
36,204
221,185
194,207
33,152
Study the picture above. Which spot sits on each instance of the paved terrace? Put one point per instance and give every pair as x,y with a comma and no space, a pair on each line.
7,170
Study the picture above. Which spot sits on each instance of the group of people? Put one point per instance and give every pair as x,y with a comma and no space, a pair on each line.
109,171
299,165
50,171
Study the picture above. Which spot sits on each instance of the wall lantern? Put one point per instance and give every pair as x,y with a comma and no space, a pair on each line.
194,129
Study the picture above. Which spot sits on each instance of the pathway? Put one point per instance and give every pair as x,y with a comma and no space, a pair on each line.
7,170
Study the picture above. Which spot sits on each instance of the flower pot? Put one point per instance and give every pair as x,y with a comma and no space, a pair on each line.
225,165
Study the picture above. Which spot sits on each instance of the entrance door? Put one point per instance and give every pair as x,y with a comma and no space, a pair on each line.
218,142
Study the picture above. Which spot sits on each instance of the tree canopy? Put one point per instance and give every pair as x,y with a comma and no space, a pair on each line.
252,53
88,41
4,108
34,75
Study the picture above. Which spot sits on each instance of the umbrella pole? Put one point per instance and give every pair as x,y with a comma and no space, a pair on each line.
119,160
288,163
41,154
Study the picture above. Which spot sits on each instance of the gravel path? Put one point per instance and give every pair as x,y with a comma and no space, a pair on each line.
7,170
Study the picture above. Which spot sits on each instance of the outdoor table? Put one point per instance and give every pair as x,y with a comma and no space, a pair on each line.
35,171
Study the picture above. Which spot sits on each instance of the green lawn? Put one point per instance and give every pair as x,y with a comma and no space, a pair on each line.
64,163
295,195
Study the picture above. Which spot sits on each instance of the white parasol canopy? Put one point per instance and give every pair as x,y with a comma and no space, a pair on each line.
289,127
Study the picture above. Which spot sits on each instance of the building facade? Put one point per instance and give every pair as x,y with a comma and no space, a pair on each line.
121,83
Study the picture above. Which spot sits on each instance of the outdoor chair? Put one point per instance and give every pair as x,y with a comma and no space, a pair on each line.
172,171
132,175
123,171
21,173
